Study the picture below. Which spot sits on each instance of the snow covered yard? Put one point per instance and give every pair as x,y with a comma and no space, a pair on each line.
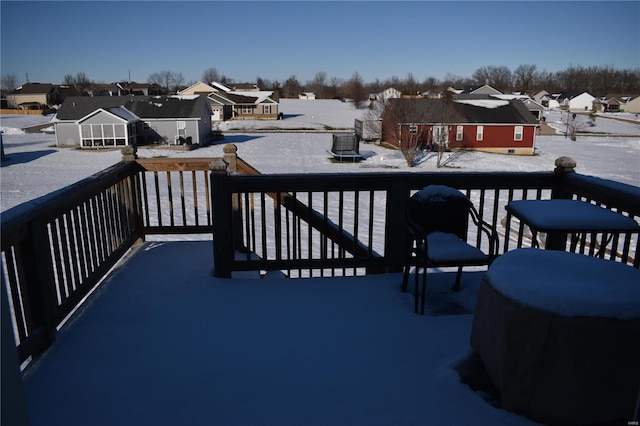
35,166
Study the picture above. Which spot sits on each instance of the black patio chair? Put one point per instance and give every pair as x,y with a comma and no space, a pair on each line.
438,220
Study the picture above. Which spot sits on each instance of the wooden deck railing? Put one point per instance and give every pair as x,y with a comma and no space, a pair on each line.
55,253
57,250
326,224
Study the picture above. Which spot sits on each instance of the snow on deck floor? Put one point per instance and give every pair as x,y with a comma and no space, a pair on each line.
165,343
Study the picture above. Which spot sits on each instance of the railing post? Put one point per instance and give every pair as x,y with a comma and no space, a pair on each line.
564,166
129,154
223,250
396,245
231,157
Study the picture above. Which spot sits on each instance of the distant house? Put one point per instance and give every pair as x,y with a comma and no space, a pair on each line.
389,93
111,121
580,101
126,88
34,96
534,107
307,95
198,88
251,104
489,124
538,96
481,89
633,105
241,101
617,103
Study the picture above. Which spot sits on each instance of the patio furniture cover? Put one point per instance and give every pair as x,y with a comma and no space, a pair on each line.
565,367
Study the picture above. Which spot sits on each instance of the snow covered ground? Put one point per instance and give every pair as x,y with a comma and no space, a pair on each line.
372,360
35,166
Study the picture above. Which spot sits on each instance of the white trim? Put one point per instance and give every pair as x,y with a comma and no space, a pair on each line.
516,133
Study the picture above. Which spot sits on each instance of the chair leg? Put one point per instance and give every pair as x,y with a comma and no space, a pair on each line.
405,277
415,289
424,290
456,286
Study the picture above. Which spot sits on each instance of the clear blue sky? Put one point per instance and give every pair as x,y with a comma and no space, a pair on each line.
274,40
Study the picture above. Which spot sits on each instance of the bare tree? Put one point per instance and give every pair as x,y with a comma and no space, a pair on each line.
403,126
166,79
441,133
69,80
356,90
318,84
210,75
498,77
291,87
178,81
334,88
264,83
155,78
403,120
524,77
9,82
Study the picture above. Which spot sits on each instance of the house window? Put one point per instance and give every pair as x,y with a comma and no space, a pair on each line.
108,134
413,130
459,133
182,129
266,109
96,130
121,134
517,133
479,132
246,109
104,134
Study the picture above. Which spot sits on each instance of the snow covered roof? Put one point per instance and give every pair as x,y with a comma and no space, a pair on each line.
77,107
472,109
120,112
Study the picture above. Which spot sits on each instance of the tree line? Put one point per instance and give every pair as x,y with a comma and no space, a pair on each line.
597,80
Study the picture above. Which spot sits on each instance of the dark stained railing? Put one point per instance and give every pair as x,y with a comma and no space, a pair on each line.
54,254
58,248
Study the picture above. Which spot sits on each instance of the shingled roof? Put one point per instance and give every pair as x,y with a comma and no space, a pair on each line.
464,111
74,108
34,88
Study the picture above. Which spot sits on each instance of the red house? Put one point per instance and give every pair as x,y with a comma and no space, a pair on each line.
475,123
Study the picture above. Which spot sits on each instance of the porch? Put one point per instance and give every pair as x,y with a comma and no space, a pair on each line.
163,342
185,332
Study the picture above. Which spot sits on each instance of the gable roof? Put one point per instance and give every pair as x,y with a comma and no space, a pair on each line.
198,87
483,89
34,89
245,98
120,112
145,107
470,110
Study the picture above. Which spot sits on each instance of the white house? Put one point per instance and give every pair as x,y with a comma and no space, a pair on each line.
389,93
307,95
576,102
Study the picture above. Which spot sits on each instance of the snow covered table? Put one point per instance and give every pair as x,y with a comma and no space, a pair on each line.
559,335
559,217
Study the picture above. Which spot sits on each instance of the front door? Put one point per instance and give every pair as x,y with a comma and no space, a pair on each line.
441,135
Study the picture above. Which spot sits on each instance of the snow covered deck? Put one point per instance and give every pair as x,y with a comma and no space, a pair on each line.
164,342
